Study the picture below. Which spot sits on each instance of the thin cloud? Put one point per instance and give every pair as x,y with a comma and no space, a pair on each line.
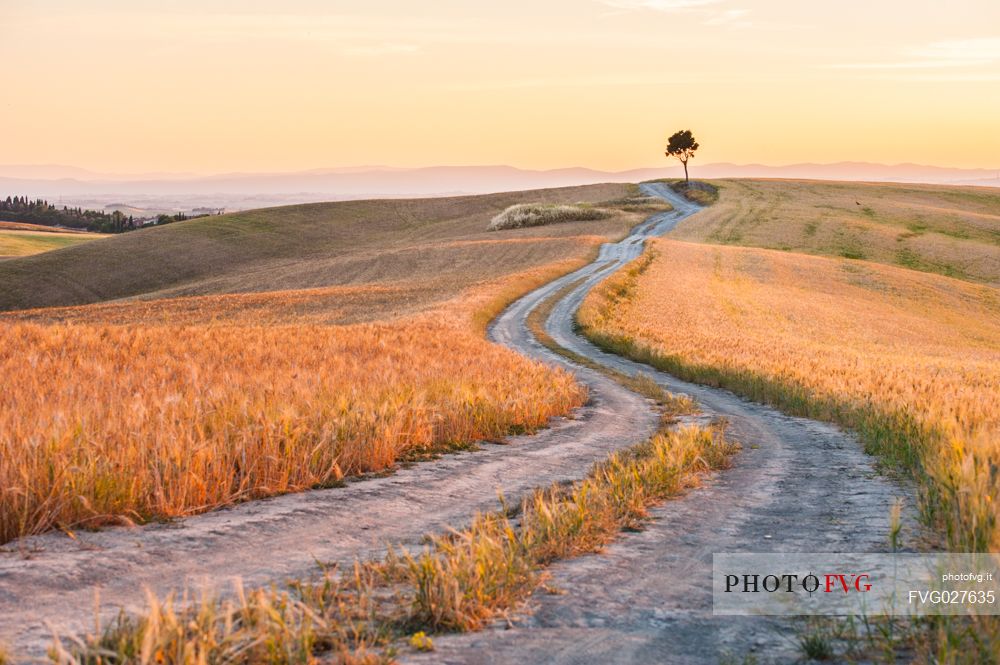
734,18
378,50
950,76
731,17
658,5
974,52
581,81
978,49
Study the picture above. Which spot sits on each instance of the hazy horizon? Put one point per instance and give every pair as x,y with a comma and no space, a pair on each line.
54,170
149,195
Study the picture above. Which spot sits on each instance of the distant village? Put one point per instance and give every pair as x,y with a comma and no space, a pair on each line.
144,217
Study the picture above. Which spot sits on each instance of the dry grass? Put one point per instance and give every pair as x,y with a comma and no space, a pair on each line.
910,360
953,231
357,303
459,582
524,215
702,193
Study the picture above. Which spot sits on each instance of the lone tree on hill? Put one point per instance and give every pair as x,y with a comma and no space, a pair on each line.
682,146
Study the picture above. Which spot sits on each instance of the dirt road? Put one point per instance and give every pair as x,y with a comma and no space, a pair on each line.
804,486
798,485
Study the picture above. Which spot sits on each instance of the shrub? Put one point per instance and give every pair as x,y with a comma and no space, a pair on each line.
534,214
699,192
638,203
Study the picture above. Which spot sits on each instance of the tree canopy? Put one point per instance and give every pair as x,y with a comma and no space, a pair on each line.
41,212
682,145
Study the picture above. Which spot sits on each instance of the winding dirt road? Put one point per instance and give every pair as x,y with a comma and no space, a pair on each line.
798,485
803,486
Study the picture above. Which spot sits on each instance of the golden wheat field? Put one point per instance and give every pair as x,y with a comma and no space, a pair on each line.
106,423
911,360
336,358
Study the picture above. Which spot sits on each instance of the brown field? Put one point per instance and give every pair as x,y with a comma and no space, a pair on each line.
911,360
953,231
152,408
379,300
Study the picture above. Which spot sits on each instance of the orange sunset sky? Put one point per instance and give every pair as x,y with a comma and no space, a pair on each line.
215,86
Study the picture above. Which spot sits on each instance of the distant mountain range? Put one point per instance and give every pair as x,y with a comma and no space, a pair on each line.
162,192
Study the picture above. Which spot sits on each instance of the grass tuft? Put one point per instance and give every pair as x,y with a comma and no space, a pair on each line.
702,193
533,214
816,646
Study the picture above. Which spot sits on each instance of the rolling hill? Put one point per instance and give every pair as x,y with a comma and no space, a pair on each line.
953,231
441,242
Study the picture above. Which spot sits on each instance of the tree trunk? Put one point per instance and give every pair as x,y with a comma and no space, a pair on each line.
685,163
